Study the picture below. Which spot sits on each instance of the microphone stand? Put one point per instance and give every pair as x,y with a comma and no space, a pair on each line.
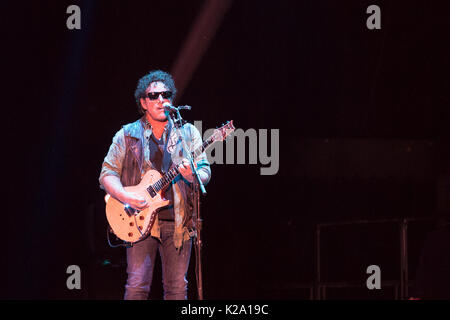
175,119
198,242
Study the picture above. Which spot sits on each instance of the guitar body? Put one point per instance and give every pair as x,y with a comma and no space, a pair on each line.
132,227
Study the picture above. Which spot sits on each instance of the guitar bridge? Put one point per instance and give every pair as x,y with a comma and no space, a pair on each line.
129,210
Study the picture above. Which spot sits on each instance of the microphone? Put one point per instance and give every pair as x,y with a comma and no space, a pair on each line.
170,108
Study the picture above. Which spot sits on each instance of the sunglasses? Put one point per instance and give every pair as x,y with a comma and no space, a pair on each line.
155,95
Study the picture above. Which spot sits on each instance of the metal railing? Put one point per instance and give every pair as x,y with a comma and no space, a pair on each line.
400,286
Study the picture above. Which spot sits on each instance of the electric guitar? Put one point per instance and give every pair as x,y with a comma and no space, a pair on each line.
132,225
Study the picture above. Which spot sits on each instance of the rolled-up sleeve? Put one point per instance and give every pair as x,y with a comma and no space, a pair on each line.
113,162
203,167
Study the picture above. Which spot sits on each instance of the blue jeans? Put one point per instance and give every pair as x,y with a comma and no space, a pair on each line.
141,262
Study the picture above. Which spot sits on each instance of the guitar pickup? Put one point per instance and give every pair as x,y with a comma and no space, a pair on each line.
151,191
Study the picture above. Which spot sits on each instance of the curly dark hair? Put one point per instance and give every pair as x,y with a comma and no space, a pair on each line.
152,76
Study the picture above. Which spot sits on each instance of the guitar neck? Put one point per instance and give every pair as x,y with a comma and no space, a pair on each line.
167,178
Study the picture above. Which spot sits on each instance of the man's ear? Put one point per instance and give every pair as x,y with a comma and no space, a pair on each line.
143,104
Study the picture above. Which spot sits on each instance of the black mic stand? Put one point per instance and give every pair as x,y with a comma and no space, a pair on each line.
175,119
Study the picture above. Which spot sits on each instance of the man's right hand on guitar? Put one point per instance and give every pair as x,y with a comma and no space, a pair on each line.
135,201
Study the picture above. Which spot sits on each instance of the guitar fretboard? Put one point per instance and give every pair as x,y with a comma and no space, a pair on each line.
174,172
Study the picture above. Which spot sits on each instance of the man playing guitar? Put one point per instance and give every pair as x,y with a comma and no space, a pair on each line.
150,145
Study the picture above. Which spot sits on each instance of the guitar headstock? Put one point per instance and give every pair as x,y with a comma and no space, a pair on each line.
221,133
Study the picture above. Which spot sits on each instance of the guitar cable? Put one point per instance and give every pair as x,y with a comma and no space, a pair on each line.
125,244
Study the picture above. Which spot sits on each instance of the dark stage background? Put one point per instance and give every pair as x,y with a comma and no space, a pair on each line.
363,119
